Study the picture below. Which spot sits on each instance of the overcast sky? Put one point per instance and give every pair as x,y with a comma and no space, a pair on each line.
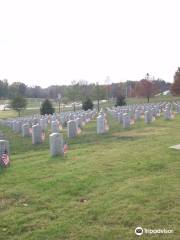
45,42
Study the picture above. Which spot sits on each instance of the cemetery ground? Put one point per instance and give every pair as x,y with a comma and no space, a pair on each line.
34,105
105,187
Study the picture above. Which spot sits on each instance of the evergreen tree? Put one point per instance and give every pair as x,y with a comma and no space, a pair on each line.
120,101
87,104
47,107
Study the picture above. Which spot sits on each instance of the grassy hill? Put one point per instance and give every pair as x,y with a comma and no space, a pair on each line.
102,189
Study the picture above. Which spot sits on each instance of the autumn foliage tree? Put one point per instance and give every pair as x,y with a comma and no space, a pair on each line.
144,89
175,89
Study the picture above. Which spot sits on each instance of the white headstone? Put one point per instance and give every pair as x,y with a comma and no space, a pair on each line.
36,134
4,147
35,121
167,114
71,129
55,127
120,117
126,120
101,124
137,114
43,123
25,130
148,117
56,144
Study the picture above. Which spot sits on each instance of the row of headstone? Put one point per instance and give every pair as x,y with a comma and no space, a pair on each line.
36,125
127,115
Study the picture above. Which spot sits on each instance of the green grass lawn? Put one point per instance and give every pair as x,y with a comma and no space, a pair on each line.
102,189
152,100
12,114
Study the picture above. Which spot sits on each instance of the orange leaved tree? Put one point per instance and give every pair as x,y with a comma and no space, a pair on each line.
175,89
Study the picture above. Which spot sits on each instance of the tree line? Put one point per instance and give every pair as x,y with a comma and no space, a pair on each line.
79,90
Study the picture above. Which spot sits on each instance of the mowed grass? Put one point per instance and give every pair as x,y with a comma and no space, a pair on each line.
102,189
13,114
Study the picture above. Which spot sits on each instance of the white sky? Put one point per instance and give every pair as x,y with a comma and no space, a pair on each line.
45,42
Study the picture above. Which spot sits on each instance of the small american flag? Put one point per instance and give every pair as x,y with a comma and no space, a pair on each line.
43,136
78,131
132,121
65,148
5,159
106,127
